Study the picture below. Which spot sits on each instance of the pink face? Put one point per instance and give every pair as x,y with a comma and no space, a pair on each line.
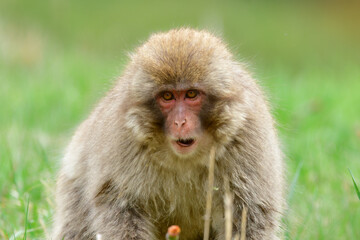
181,112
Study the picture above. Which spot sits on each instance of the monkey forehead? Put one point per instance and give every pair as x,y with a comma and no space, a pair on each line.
181,55
179,87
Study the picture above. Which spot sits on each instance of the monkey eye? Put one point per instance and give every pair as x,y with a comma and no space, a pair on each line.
167,96
192,93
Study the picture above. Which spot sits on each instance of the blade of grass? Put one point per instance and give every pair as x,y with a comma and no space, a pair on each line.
294,181
43,155
26,217
291,195
209,194
355,185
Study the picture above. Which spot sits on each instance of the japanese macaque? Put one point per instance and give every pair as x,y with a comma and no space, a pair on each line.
140,162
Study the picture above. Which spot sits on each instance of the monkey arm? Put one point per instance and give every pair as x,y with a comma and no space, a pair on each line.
115,222
80,217
256,182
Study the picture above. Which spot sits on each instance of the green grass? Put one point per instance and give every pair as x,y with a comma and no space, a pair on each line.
355,185
57,58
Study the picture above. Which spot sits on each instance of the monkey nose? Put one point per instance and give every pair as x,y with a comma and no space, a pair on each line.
180,123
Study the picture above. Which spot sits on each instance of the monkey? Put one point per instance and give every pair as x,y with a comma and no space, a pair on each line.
140,162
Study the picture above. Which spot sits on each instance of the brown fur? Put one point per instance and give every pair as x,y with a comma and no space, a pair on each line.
119,178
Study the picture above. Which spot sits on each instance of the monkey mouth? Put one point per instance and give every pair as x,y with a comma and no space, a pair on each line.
185,142
184,146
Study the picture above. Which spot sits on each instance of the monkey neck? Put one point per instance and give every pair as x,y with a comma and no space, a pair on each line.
164,181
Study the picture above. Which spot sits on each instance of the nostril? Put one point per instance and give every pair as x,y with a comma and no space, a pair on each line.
181,122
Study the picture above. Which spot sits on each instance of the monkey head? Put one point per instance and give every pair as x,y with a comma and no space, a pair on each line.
183,85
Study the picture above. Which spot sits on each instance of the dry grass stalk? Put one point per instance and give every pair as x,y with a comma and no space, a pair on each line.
237,237
228,203
243,223
209,194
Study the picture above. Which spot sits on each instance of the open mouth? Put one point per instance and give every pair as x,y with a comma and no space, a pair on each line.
185,142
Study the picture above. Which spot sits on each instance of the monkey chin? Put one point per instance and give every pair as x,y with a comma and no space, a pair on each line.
184,146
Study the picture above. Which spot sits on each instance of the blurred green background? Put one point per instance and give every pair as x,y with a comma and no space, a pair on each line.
58,57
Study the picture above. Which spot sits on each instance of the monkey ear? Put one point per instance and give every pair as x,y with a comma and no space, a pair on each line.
139,127
140,87
232,118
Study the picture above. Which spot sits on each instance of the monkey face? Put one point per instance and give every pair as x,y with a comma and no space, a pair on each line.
181,110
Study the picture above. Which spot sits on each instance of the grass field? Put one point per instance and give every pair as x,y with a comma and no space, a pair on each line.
57,58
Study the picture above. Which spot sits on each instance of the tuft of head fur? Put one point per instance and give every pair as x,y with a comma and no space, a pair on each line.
181,55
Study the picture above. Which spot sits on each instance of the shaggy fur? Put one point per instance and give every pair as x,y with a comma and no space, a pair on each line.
119,177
